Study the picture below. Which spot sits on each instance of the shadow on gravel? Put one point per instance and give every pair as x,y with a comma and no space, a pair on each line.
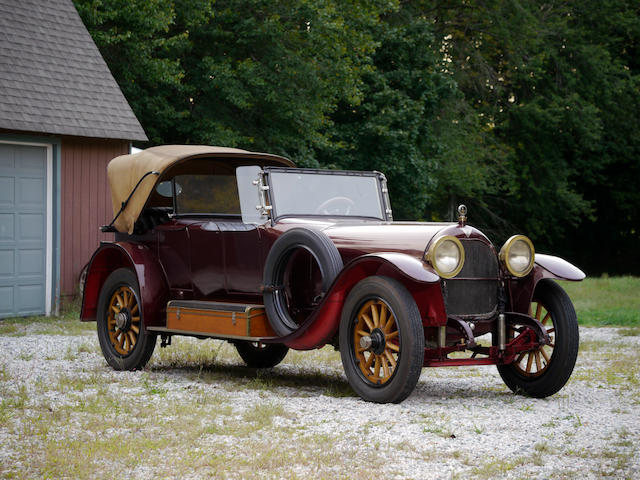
260,379
330,384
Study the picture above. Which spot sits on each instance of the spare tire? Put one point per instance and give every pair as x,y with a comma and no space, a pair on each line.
327,258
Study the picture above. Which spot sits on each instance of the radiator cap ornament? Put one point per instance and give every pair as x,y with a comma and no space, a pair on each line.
462,215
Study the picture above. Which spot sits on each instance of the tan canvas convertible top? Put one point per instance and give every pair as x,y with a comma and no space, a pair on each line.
126,171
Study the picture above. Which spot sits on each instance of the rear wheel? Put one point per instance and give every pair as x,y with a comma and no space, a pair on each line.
261,355
381,340
545,370
125,343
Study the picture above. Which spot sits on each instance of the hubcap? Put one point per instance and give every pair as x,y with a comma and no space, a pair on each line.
123,320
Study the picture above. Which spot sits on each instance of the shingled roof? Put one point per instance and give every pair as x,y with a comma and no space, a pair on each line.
53,78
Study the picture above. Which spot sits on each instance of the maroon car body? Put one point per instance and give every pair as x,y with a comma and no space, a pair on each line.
367,285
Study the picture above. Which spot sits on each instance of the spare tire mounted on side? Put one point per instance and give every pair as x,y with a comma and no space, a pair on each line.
326,256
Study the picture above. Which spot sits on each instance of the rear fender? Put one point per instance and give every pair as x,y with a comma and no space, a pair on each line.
546,266
422,282
109,257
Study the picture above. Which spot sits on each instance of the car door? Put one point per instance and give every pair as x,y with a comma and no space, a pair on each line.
175,257
207,260
242,257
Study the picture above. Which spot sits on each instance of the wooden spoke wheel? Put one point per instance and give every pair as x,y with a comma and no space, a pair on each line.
125,343
376,341
124,320
545,370
535,362
381,340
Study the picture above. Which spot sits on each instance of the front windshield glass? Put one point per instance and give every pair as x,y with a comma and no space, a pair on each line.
333,193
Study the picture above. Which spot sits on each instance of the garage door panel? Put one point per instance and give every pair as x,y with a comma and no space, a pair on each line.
30,159
7,227
7,263
30,298
6,191
31,227
7,156
30,262
32,192
6,300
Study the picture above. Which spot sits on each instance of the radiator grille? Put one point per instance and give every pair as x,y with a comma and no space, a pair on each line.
474,291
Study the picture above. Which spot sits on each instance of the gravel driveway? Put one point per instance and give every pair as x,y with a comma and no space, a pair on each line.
196,413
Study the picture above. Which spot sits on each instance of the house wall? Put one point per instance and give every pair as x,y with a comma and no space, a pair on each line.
85,203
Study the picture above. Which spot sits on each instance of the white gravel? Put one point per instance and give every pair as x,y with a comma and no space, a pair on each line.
459,423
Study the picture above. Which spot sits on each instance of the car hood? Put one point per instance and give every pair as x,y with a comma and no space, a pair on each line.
410,238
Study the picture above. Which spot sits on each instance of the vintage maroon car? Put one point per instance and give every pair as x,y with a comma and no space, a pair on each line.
230,244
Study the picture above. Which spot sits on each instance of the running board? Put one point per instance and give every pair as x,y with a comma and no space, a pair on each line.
216,319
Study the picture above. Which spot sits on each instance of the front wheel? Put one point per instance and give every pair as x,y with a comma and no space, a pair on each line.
545,370
125,343
381,340
261,355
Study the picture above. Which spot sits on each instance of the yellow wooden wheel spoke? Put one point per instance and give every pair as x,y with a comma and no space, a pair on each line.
362,333
389,324
389,356
538,364
135,319
385,367
383,314
376,370
529,361
520,357
545,355
134,309
370,361
393,346
374,315
391,335
538,311
368,321
546,318
135,329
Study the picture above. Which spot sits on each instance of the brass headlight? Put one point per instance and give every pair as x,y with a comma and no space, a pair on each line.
446,256
518,255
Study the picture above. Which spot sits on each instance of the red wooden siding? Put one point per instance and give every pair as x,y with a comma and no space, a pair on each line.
85,203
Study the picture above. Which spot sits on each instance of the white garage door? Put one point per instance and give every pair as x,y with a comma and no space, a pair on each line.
24,267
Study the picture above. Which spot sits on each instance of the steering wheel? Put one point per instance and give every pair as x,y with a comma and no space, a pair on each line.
335,206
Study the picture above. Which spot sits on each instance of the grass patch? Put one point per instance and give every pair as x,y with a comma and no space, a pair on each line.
606,301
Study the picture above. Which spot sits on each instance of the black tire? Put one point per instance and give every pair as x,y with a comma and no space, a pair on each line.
261,355
380,293
122,346
555,373
326,256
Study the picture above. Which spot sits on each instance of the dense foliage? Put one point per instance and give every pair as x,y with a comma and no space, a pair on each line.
528,112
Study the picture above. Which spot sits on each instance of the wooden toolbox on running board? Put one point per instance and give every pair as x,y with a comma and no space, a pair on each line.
217,319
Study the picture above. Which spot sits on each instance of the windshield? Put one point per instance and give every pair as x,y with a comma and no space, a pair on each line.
325,192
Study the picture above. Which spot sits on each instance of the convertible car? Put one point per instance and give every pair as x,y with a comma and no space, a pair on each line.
225,243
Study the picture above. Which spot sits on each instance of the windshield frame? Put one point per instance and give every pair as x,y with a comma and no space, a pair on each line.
381,182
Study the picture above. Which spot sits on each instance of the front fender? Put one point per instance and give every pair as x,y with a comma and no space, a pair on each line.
546,266
154,291
556,267
422,282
